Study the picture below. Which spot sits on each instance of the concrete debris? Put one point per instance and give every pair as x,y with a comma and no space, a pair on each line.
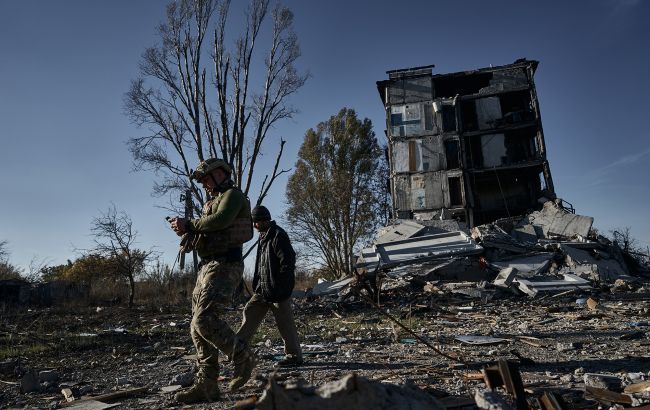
552,251
534,264
416,249
350,392
556,222
401,229
603,381
491,400
533,288
325,287
505,277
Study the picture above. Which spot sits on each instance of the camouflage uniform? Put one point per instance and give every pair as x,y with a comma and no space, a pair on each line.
215,284
220,274
224,226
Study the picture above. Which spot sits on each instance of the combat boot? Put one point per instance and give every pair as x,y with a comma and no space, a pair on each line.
203,389
244,365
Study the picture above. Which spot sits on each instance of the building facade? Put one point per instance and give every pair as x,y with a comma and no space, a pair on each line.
467,146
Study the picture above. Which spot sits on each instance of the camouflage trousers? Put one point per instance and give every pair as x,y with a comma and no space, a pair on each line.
215,284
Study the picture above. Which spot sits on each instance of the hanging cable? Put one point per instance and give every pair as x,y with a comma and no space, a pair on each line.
505,203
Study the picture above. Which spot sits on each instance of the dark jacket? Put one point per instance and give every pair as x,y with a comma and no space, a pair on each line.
275,264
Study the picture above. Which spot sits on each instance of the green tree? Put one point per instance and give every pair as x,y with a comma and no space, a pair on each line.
56,272
337,195
86,269
200,97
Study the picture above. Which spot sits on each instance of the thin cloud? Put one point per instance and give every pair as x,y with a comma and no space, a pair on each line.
626,160
602,175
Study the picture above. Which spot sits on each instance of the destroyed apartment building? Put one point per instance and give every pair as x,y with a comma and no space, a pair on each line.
473,196
467,146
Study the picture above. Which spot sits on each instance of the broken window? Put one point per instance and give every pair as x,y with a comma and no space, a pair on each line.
506,193
452,153
463,84
521,146
455,191
516,108
448,118
473,152
428,117
493,150
468,115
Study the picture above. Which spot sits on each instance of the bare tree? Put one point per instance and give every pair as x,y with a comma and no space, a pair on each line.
34,270
623,237
193,112
115,240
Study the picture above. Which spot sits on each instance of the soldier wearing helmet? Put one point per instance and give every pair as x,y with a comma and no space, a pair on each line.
224,226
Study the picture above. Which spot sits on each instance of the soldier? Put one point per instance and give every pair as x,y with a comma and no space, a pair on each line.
273,283
218,235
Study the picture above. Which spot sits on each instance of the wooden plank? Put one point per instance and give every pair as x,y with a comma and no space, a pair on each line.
492,377
473,376
608,395
549,401
514,384
412,157
638,387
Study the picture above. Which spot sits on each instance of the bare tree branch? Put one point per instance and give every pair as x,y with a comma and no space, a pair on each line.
186,121
114,239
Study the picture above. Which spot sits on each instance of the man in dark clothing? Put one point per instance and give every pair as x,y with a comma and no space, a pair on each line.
273,283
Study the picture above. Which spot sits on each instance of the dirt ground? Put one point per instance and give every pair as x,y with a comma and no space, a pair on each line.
555,340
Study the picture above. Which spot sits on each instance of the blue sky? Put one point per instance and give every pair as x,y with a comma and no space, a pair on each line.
66,65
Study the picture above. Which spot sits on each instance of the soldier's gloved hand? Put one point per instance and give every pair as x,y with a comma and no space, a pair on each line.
178,225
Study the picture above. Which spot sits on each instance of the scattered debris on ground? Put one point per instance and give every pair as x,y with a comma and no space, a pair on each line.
528,312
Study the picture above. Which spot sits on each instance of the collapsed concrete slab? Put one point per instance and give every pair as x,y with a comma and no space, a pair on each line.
327,287
417,249
350,392
401,229
583,264
532,288
534,264
554,221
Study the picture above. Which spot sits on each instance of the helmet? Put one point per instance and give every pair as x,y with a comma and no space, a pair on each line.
209,165
260,213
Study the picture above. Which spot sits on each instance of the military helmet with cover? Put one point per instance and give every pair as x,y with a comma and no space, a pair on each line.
209,165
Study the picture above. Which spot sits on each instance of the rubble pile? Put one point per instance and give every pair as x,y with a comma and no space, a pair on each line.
546,251
350,392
